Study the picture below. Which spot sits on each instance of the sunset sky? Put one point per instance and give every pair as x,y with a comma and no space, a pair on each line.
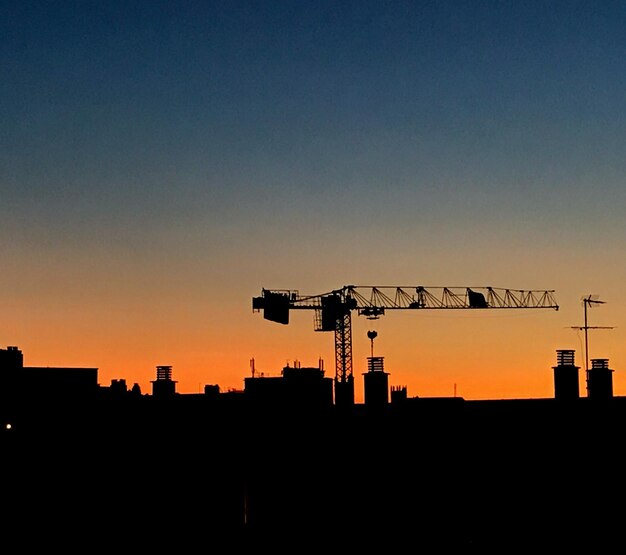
163,162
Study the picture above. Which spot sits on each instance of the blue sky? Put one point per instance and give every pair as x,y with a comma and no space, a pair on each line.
159,150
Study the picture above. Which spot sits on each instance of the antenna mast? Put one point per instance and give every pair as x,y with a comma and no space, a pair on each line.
372,335
588,301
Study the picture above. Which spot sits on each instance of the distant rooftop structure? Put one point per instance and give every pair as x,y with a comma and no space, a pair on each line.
297,386
44,382
163,386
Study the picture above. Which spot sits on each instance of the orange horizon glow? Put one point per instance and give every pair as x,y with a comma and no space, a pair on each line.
492,355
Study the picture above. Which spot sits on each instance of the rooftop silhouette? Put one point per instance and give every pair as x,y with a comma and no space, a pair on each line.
281,460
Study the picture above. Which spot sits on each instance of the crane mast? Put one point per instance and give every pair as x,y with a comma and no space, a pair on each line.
333,311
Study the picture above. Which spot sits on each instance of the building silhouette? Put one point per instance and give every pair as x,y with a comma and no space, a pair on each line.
277,460
297,388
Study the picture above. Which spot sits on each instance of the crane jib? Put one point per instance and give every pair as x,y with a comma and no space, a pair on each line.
374,301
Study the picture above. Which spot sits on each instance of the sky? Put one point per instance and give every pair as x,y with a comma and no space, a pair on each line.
163,162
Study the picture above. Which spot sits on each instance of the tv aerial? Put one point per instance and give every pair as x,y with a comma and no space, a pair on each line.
588,301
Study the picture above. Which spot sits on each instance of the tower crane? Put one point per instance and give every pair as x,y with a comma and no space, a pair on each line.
333,311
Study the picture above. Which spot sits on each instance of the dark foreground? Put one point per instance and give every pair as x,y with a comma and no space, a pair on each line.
439,474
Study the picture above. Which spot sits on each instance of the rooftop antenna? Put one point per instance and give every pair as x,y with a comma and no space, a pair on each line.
372,334
589,301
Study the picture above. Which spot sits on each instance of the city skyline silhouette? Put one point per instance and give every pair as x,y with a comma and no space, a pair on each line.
281,460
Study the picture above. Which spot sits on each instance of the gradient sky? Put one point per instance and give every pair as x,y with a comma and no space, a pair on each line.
162,162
